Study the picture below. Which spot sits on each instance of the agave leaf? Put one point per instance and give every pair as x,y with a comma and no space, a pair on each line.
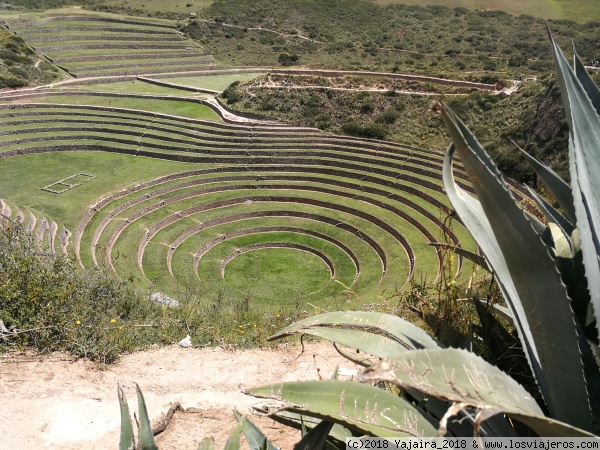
365,409
461,377
146,438
471,256
233,441
294,420
559,189
373,344
446,333
584,156
499,310
504,350
303,430
562,244
256,438
551,214
527,275
433,406
586,81
316,438
209,444
393,327
126,441
474,217
353,356
334,375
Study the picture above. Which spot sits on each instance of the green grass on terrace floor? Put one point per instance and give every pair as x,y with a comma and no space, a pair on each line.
214,82
172,107
133,87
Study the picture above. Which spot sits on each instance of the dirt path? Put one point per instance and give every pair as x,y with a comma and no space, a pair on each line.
56,402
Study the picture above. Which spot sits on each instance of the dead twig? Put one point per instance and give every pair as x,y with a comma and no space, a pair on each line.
167,420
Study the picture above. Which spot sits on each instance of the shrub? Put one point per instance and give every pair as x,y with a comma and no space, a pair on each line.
231,94
53,306
369,131
11,81
367,107
388,117
288,59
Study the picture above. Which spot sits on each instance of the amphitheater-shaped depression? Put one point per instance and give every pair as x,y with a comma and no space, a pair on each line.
340,216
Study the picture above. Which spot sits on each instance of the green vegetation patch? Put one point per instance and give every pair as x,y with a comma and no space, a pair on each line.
214,82
269,275
172,107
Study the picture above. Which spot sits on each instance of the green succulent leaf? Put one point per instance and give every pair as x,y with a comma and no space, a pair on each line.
562,244
373,344
360,359
365,409
295,420
586,81
461,377
403,332
209,444
526,273
584,156
256,438
146,437
316,438
334,375
126,441
551,214
233,441
559,189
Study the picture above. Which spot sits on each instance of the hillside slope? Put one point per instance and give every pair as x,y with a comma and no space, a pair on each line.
532,116
20,65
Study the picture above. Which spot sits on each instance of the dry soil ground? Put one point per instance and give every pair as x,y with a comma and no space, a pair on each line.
57,402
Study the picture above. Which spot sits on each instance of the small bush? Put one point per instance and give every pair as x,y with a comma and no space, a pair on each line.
387,117
54,306
517,61
288,59
231,94
367,107
11,81
369,131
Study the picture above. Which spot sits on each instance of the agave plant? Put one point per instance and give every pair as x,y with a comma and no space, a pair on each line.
549,274
145,435
255,438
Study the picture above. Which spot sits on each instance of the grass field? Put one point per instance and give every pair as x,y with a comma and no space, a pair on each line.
577,10
153,6
214,82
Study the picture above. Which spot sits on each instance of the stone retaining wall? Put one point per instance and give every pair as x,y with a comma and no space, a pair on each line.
161,56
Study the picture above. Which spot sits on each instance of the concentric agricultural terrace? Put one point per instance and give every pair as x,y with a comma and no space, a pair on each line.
98,46
360,211
271,213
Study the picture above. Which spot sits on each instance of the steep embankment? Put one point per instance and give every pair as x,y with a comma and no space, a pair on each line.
20,65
